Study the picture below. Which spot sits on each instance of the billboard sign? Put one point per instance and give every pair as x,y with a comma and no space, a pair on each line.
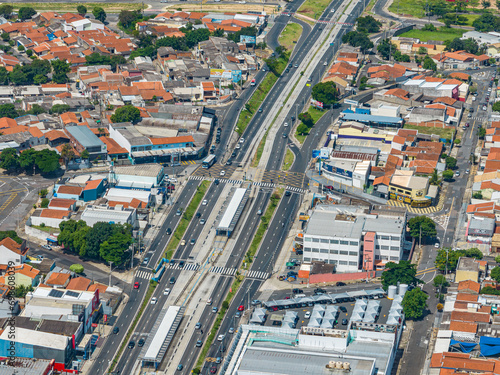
236,75
324,153
316,153
248,39
220,73
351,102
317,104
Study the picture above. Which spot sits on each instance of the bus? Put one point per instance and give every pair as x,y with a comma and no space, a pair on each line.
209,161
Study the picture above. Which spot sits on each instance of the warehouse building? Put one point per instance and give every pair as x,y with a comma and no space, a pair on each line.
82,138
116,215
137,177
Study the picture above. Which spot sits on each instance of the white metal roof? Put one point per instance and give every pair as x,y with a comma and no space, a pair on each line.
36,338
232,208
161,333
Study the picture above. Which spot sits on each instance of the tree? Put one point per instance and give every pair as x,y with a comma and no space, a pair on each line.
497,258
481,133
67,153
457,141
45,203
8,110
447,259
20,48
496,107
85,154
60,68
127,18
9,159
82,10
99,14
325,92
26,12
5,37
495,274
36,109
127,113
358,39
57,109
487,22
485,4
302,129
114,249
451,162
368,25
440,281
422,226
47,161
477,195
27,160
218,33
6,10
12,235
306,119
448,174
434,180
403,272
429,64
414,303
429,27
76,268
385,48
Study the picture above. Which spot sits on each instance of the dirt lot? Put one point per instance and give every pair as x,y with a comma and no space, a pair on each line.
238,8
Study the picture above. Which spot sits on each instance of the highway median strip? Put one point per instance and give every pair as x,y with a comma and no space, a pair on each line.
186,219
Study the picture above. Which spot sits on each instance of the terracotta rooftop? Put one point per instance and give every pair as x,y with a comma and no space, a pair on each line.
58,279
79,283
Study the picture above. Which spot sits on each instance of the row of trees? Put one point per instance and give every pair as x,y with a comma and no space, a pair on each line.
44,161
102,242
9,110
37,72
447,259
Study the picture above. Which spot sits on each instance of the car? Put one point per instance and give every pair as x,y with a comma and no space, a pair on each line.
204,203
343,309
484,108
255,302
216,182
131,344
457,173
172,280
259,212
198,215
197,326
178,212
180,367
296,66
209,301
329,187
237,315
340,283
233,155
290,65
332,10
116,330
215,309
145,261
141,342
199,343
229,162
238,146
154,300
307,315
344,322
241,307
467,171
212,150
172,261
297,291
169,231
287,194
213,369
287,70
264,69
222,173
231,330
136,285
260,110
325,63
46,247
202,222
319,291
193,241
221,337
218,360
183,242
166,292
242,140
467,124
284,135
436,245
181,264
285,124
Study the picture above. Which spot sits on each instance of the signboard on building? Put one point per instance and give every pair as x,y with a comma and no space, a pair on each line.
221,73
236,75
316,104
342,172
324,153
316,153
248,39
351,102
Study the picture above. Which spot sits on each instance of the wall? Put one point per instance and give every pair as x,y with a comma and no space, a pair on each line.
48,221
37,233
403,30
334,277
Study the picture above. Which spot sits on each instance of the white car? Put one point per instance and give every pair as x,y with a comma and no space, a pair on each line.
325,63
183,242
238,146
307,315
332,11
166,292
204,203
436,245
221,337
285,124
154,300
222,173
209,301
242,140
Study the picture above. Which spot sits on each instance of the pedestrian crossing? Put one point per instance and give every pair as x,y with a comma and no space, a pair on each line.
222,180
414,210
186,267
264,184
258,275
224,270
140,274
294,189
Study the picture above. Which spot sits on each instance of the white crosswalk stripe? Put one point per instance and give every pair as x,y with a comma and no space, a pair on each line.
187,266
296,189
199,178
143,274
258,275
264,184
232,181
224,270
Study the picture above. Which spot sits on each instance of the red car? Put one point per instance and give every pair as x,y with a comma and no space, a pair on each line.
213,369
241,308
136,285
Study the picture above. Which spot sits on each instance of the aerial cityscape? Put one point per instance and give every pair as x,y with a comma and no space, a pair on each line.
250,187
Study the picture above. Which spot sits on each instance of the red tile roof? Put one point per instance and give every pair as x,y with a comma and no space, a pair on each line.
73,190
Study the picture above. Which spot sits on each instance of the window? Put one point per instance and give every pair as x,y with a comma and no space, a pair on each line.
377,257
353,253
395,238
377,247
307,239
353,263
384,257
307,249
307,259
395,248
323,251
384,247
324,240
332,261
394,258
400,191
384,238
353,243
344,242
334,251
343,263
315,239
335,242
344,252
315,250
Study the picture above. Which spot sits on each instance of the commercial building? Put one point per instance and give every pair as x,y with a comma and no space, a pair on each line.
480,229
345,171
116,215
82,138
137,177
353,241
407,188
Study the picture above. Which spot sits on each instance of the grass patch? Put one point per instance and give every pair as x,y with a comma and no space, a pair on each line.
261,230
186,219
413,8
443,33
290,35
370,6
149,293
442,133
260,150
301,138
316,114
471,18
46,229
313,8
288,161
71,7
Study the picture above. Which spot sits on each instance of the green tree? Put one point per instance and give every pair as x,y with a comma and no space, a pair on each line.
45,203
36,110
18,77
429,64
69,231
26,12
358,39
218,33
98,234
477,195
447,259
434,178
457,141
4,76
429,27
8,110
6,10
448,174
496,106
325,92
414,303
76,268
57,109
497,258
422,226
451,162
440,281
114,248
67,153
27,160
403,272
368,24
85,154
385,47
127,113
82,10
40,79
20,48
495,274
9,160
11,234
5,37
306,119
485,4
61,69
302,129
422,51
99,14
47,161
487,22
127,18
481,133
